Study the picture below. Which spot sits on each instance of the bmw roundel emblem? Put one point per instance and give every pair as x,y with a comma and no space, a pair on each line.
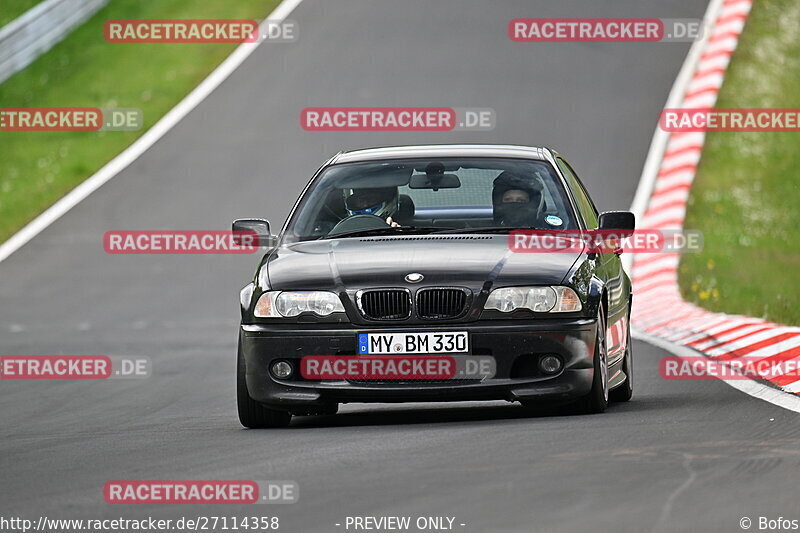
414,277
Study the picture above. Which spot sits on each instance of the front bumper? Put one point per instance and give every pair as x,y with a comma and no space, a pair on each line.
515,345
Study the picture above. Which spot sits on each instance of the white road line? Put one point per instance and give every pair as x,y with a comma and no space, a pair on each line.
793,387
681,140
742,332
681,177
774,349
654,266
752,388
661,216
709,81
691,157
715,62
679,195
701,100
130,154
722,323
763,336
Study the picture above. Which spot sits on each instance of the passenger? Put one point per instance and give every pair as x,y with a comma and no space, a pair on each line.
516,201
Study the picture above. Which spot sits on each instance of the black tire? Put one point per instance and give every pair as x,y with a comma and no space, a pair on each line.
597,399
251,413
624,392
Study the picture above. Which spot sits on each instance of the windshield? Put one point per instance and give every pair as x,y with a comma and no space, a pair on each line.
424,195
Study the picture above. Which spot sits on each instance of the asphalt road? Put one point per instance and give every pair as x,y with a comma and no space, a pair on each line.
681,456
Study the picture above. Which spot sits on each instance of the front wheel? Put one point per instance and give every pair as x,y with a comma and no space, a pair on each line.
597,399
251,413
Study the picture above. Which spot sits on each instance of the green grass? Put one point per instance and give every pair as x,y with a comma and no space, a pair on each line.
746,197
11,9
37,168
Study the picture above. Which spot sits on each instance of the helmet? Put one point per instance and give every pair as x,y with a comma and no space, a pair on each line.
516,214
382,202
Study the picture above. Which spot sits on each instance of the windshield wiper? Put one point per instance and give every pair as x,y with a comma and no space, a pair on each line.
488,229
410,230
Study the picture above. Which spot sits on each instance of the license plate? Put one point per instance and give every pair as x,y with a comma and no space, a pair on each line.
401,343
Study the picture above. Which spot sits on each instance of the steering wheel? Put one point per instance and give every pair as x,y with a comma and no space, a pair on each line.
358,222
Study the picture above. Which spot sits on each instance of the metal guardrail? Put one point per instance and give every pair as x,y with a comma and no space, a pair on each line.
37,30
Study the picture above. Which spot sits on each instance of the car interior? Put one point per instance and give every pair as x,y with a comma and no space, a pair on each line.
432,195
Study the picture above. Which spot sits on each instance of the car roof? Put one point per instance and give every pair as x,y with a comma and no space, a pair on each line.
443,150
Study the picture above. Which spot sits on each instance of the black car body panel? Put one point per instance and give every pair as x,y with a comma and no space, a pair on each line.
464,259
474,263
509,342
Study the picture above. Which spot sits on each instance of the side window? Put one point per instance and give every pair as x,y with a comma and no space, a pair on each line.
584,203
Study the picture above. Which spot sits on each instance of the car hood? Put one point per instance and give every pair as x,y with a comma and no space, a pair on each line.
462,260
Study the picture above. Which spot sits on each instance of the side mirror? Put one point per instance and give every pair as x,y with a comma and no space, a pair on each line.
259,226
622,221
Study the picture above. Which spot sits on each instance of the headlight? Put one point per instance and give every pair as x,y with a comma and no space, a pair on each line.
245,295
538,299
567,301
277,304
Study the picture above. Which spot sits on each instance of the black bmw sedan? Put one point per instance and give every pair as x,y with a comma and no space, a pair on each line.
394,280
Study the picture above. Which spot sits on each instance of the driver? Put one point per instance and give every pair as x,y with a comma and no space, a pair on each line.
516,200
383,203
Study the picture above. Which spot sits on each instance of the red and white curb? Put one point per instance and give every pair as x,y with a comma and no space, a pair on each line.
659,311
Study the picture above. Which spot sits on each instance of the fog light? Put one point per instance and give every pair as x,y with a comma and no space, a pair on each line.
281,369
550,364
